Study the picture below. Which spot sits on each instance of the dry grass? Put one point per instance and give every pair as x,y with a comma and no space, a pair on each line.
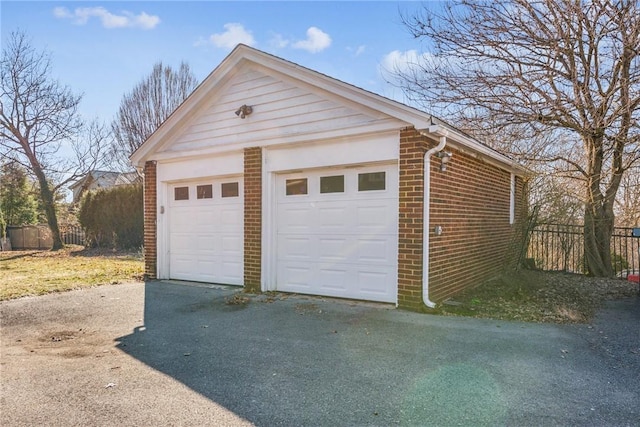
535,296
530,296
25,273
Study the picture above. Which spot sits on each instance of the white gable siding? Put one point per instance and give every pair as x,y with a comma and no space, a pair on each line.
282,112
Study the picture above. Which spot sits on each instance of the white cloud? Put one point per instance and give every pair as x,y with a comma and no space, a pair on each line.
234,34
317,40
81,16
278,42
62,12
401,61
358,50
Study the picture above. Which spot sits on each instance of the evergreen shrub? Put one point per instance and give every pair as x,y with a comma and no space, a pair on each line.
113,217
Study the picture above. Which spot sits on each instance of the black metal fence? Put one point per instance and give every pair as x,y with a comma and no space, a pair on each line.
560,247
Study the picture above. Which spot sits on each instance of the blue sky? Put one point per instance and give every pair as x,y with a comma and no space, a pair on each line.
103,49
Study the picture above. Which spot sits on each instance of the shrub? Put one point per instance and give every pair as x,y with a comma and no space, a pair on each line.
113,217
619,263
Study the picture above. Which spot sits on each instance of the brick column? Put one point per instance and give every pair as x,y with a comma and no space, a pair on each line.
150,220
252,218
410,219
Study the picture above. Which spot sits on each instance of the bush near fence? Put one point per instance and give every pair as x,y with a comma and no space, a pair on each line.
560,247
113,217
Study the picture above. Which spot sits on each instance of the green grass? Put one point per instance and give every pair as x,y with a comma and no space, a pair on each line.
24,273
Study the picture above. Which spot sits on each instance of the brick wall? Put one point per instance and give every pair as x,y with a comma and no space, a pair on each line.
410,219
252,218
470,201
150,218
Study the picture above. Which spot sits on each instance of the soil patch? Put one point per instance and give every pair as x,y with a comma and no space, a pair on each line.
536,296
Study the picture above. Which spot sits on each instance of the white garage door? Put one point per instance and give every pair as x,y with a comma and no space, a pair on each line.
206,231
337,233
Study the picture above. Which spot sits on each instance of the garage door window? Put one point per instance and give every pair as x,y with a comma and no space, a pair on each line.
371,181
181,193
296,186
204,191
332,184
229,189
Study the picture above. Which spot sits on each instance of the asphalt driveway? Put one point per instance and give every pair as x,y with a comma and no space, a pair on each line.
169,354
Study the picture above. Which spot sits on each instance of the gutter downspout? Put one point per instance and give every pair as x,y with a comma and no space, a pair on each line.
425,206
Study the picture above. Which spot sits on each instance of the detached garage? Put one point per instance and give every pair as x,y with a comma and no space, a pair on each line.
277,178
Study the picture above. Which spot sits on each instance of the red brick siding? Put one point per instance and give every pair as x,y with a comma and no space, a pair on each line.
471,202
410,219
252,218
150,219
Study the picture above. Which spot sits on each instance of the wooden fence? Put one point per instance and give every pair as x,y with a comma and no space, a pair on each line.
39,236
560,247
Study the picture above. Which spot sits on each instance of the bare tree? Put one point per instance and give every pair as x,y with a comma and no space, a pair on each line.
557,200
38,117
149,104
565,71
628,201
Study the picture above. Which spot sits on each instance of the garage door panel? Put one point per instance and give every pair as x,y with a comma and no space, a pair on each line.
294,218
333,248
205,244
231,270
332,279
232,246
183,266
229,217
341,244
340,280
296,248
180,221
206,235
180,242
373,250
374,284
373,216
206,267
333,217
200,218
296,275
